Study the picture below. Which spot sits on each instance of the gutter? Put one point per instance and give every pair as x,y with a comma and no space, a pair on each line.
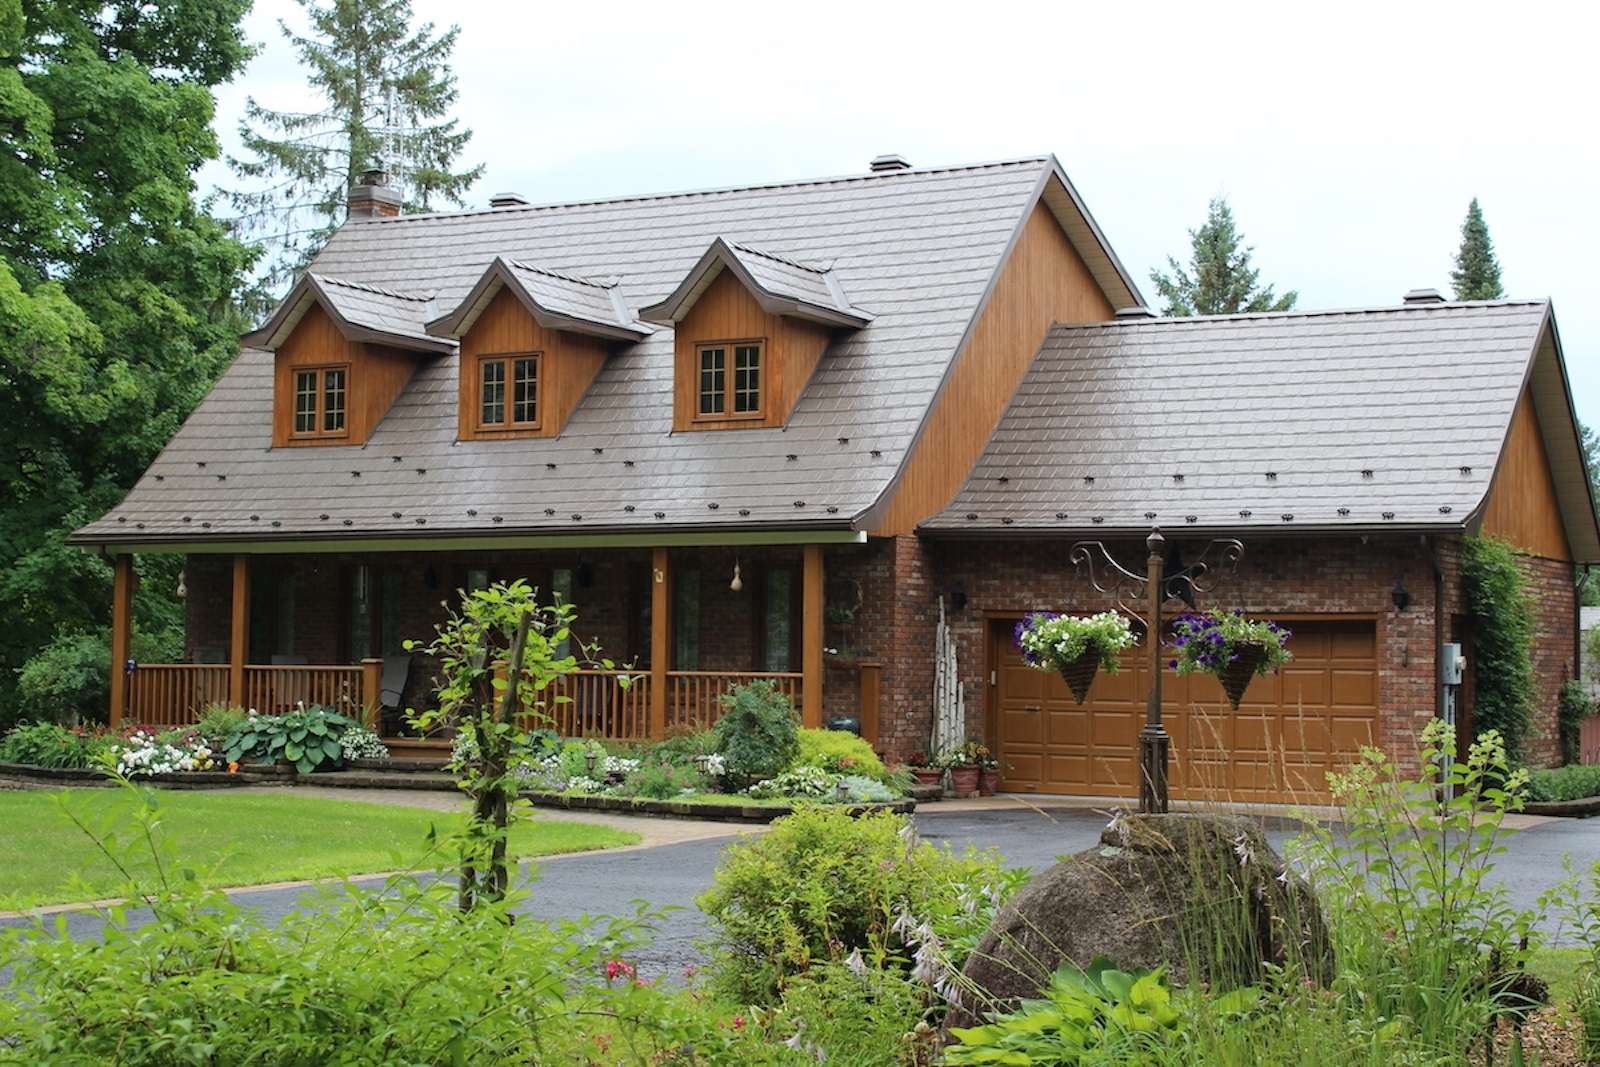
988,533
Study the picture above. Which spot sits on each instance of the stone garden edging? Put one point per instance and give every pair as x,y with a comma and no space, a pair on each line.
1571,809
691,809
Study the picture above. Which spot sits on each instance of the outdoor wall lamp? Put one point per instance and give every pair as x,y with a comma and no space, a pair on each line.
1399,595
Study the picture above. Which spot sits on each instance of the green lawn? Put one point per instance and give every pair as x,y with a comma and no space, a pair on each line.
233,839
1560,967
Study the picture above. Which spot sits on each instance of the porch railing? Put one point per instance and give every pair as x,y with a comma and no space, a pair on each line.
174,694
692,696
277,689
609,704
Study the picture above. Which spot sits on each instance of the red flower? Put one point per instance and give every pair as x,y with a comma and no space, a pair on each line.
618,969
738,1022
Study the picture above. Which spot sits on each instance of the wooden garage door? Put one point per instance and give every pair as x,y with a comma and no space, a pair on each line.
1290,729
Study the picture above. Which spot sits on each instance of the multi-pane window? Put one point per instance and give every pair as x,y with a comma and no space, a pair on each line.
508,392
321,401
729,380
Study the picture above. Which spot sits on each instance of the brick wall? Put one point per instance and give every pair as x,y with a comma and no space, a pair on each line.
1550,584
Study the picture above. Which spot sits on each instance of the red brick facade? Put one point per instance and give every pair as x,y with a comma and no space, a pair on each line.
883,606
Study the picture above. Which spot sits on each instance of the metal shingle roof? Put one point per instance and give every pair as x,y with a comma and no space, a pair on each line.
557,301
920,248
362,311
1389,417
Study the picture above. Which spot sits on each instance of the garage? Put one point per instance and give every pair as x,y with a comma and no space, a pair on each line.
1290,730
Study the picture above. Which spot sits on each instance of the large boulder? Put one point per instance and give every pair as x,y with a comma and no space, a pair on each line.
1204,896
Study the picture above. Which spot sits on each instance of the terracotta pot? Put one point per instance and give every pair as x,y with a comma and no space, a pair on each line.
1079,674
988,781
1236,676
928,775
964,781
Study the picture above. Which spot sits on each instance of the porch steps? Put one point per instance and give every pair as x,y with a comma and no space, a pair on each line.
434,752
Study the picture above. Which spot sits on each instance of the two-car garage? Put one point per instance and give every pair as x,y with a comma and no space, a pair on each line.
1290,730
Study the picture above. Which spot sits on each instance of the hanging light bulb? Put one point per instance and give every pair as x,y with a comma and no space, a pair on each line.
183,585
738,583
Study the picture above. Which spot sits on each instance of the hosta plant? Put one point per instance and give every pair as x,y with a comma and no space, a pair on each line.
1055,642
307,737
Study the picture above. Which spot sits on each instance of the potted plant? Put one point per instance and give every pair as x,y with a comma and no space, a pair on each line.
924,771
1230,646
963,763
1076,646
988,774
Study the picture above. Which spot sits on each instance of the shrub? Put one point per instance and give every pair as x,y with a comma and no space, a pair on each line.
220,723
839,752
68,680
756,733
44,744
307,737
1497,600
802,782
1575,781
358,742
168,752
857,1016
821,885
1572,708
662,781
682,748
860,789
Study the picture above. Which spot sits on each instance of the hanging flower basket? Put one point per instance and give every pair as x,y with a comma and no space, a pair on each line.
1076,647
1230,646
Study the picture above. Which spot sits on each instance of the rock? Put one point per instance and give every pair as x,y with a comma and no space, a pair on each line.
1203,895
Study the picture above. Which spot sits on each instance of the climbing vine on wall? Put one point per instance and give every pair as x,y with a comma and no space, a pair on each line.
1502,617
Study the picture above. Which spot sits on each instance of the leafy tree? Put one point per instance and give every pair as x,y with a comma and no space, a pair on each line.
385,92
1219,279
1477,273
1499,605
1590,443
115,287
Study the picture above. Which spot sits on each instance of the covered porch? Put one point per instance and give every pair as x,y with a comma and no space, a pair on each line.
682,625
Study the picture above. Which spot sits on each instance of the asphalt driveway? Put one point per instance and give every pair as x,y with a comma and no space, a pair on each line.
670,876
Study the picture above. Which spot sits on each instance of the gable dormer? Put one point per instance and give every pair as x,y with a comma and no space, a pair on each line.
342,353
749,328
531,342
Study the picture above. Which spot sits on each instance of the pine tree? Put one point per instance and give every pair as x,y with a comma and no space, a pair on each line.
1220,279
386,91
1477,273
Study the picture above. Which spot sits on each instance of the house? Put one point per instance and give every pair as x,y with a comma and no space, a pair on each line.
764,432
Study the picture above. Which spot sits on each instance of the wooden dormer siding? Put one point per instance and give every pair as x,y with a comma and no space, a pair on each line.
376,375
1043,281
727,312
568,363
1523,507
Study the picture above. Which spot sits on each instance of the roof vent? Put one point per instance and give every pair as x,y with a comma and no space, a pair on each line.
508,200
886,163
372,197
1424,296
1134,313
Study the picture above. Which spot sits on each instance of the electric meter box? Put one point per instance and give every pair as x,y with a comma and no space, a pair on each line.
1452,664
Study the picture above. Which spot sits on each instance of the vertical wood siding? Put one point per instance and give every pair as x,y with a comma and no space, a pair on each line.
378,374
569,366
1523,507
1043,282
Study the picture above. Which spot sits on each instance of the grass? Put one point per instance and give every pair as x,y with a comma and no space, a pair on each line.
233,839
1560,967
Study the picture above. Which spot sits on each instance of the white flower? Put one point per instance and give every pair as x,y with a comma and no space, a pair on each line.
856,965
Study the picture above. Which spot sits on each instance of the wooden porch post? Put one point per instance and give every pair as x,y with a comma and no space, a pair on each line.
121,634
371,692
239,632
811,637
870,698
660,638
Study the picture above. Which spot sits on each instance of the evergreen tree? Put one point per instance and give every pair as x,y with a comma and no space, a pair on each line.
385,92
1477,273
1220,279
116,290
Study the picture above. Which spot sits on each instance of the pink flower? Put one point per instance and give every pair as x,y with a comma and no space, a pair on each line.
738,1022
618,969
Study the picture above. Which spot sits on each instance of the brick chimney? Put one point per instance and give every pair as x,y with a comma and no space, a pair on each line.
371,197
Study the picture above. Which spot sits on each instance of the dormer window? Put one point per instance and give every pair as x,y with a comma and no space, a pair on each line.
730,380
321,401
508,392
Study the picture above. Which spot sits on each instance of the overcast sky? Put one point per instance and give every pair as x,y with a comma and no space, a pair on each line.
1348,138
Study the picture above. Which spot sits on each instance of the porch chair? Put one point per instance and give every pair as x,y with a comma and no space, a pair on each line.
391,691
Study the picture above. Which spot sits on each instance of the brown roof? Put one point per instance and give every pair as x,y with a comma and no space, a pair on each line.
916,249
1391,417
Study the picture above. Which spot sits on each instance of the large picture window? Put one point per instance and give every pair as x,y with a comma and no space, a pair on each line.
728,382
321,401
508,392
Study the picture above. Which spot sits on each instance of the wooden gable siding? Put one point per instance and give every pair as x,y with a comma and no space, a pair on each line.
1042,282
1523,507
378,374
727,312
567,367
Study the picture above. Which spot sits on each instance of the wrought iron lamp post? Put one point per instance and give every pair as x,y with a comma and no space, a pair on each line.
1153,589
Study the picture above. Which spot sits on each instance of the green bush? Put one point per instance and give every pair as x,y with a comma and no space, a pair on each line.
67,681
821,885
1572,707
1576,781
682,748
756,733
307,737
857,1016
44,744
801,783
1497,600
662,781
839,752
220,723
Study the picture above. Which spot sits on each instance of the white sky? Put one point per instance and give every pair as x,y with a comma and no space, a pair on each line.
1348,138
